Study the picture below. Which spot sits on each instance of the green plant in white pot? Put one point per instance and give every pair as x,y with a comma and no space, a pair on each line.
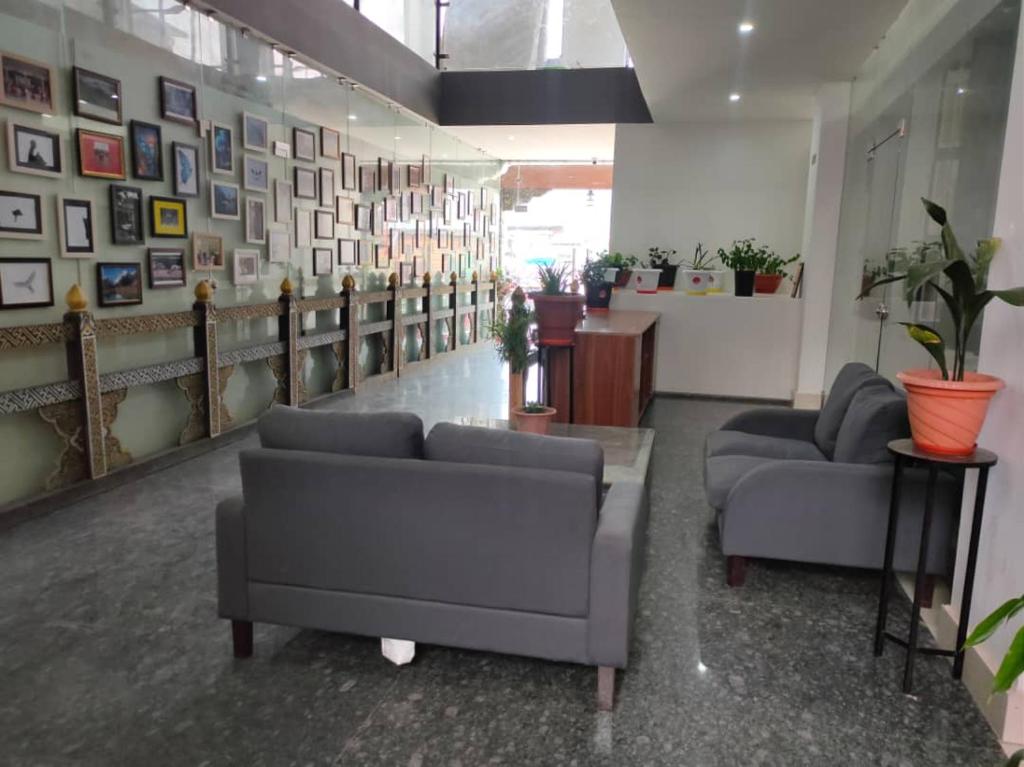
699,277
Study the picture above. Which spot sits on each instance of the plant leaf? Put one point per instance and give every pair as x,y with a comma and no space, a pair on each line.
932,342
960,275
884,281
1012,296
1017,759
937,212
956,311
983,256
1012,665
918,274
994,620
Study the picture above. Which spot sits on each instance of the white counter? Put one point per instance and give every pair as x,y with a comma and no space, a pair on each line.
721,344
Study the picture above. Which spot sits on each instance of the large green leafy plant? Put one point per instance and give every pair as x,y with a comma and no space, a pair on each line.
554,280
964,292
511,332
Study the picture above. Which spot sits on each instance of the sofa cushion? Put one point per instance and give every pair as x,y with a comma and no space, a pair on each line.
876,416
722,472
381,435
501,447
727,442
852,378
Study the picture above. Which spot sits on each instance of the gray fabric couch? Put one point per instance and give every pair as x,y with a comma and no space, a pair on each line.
814,486
475,538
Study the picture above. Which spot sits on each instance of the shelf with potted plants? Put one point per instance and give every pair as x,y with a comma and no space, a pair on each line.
699,276
947,406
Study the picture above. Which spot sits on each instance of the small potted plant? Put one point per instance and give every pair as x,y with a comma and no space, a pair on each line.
557,310
661,258
598,287
947,407
511,331
623,264
771,272
744,258
533,418
698,277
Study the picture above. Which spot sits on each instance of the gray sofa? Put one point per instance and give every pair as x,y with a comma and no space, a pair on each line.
815,486
475,538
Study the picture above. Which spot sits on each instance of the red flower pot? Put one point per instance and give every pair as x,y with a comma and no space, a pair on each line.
557,317
533,423
767,283
946,416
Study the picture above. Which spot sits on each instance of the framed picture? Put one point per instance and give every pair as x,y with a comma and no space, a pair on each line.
483,197
186,169
147,151
323,261
27,84
348,171
344,211
255,132
207,251
246,264
436,196
326,187
382,256
255,174
447,210
323,228
167,217
225,201
415,203
362,214
415,175
305,183
405,273
96,96
417,234
255,220
460,205
383,174
395,184
74,222
119,284
126,215
282,201
222,150
303,228
25,283
391,209
166,267
347,252
367,179
417,266
21,216
34,151
177,101
100,155
449,183
282,149
278,245
304,144
377,219
330,143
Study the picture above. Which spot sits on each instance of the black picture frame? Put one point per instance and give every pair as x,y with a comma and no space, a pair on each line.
306,149
87,87
304,177
323,224
182,187
323,261
348,171
171,107
147,164
36,165
110,278
363,218
125,205
35,232
367,179
154,228
7,293
172,255
348,252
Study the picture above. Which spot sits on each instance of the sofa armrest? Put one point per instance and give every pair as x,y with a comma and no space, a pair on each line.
232,571
775,422
616,565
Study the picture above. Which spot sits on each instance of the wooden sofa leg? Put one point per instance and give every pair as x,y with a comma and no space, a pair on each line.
605,688
735,571
241,637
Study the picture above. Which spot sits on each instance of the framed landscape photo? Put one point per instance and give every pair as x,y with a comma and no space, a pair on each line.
34,151
255,220
100,155
126,227
96,96
303,144
348,171
255,133
323,261
344,211
25,283
207,251
305,183
282,201
147,151
347,252
323,225
278,245
326,187
178,101
21,216
255,174
166,267
225,200
222,149
186,169
27,84
246,266
167,217
330,143
119,284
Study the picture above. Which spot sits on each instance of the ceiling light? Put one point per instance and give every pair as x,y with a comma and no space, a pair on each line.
746,27
734,97
961,91
261,78
398,138
511,138
352,117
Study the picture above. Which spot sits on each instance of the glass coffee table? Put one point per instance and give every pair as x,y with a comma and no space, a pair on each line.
627,452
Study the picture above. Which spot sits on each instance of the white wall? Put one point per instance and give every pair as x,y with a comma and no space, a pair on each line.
677,184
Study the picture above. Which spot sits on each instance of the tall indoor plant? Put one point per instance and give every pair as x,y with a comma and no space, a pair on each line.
947,407
557,309
511,333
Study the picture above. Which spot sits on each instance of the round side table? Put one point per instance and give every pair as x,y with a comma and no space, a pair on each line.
905,453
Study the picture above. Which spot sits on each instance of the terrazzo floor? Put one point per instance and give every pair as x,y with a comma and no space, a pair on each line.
111,652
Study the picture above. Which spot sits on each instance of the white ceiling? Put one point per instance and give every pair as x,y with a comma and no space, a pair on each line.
689,56
541,142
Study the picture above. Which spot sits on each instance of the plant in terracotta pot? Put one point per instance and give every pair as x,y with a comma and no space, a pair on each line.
744,258
596,284
533,417
698,276
661,258
772,272
557,310
511,333
947,407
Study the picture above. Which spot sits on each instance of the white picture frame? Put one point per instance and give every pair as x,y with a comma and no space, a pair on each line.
255,220
255,133
303,228
255,174
246,266
225,200
279,245
34,151
282,201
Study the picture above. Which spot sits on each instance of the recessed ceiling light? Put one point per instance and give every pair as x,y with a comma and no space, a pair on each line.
746,27
398,138
352,117
734,97
961,91
261,78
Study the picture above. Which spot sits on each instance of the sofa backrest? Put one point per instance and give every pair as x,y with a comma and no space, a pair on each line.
490,536
853,377
501,447
385,435
876,416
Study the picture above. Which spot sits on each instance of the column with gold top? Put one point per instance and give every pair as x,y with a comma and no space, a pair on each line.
80,329
350,324
205,343
288,331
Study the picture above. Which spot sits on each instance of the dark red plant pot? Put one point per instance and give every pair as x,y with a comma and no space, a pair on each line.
767,283
557,317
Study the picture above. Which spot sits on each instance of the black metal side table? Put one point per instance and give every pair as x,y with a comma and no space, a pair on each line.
905,453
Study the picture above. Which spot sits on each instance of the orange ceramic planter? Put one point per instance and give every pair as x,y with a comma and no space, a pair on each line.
946,416
533,423
767,283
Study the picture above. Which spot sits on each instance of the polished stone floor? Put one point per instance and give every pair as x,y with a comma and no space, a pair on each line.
111,652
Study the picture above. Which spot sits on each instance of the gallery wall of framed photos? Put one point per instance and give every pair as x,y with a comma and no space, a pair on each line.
146,151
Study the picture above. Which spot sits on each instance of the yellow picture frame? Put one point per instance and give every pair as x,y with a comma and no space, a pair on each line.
168,217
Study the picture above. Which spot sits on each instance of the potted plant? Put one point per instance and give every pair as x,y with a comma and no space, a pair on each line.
771,272
947,407
598,287
659,258
744,258
533,418
511,331
622,263
698,277
557,310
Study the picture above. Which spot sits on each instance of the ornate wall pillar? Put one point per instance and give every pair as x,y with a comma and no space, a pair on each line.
83,369
288,332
